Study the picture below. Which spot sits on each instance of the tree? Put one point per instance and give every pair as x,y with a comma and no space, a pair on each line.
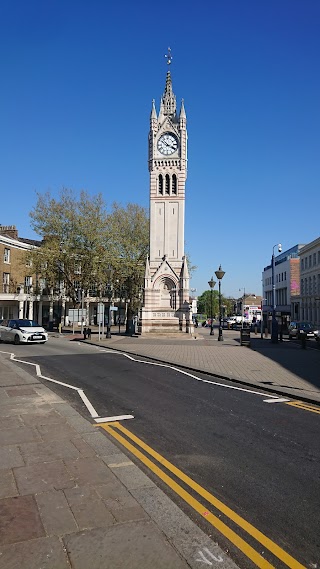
87,248
204,303
130,236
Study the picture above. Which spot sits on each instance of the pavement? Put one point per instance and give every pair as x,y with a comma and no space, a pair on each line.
69,498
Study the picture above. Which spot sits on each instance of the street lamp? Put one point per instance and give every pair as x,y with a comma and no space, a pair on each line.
211,284
242,307
220,274
274,324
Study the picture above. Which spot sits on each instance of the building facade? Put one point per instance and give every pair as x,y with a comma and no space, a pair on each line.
17,293
166,285
287,287
308,304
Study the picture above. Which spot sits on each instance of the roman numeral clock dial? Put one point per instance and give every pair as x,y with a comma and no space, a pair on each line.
167,144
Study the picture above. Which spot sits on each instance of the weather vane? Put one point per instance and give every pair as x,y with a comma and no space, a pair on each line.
168,56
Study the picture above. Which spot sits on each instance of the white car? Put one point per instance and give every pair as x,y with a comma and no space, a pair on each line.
22,331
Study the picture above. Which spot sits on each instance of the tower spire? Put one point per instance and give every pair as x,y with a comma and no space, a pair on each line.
168,99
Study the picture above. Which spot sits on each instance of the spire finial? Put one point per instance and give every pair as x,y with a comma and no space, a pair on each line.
168,56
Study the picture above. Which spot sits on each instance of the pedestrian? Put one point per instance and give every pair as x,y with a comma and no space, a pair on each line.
89,333
84,333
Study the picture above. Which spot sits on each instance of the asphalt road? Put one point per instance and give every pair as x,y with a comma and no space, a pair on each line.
261,460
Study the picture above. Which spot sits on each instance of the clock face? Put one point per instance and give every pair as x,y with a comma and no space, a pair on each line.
167,144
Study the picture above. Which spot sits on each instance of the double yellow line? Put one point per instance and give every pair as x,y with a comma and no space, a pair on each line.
304,406
115,430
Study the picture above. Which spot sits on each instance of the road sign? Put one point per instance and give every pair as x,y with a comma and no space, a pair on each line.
114,308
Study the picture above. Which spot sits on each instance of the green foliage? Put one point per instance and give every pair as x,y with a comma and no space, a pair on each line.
86,247
210,304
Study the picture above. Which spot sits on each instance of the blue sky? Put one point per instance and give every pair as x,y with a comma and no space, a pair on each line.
77,81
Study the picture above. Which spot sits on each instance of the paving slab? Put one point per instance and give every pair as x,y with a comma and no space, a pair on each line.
16,435
88,471
55,513
43,553
48,451
8,485
19,520
88,508
10,456
124,546
42,477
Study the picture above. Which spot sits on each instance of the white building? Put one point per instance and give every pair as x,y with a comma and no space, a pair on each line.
309,301
287,286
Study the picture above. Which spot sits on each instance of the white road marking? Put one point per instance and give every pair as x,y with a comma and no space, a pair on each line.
80,392
280,400
190,374
87,403
117,418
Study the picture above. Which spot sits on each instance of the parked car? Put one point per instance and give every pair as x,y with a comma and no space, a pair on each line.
230,321
297,329
317,334
22,331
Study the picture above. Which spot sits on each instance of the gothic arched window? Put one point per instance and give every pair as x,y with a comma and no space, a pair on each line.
167,184
174,184
160,187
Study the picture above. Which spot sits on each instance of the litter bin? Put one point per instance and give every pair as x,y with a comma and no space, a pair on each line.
245,337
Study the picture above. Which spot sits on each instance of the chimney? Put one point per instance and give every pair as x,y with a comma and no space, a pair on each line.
9,231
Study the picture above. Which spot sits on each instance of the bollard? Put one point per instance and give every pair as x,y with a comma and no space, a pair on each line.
303,338
108,332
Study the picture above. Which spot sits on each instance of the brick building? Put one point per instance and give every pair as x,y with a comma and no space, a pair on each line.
17,296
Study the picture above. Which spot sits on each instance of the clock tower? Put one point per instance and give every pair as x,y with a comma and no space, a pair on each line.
166,284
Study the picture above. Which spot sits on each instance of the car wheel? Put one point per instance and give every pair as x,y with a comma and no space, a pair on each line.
16,340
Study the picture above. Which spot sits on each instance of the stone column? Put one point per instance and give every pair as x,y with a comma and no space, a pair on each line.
30,309
63,312
21,303
40,313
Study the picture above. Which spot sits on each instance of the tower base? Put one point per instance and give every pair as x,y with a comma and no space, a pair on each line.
165,322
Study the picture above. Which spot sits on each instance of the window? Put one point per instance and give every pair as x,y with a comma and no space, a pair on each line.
160,184
29,263
314,259
27,283
310,261
167,184
6,282
318,257
285,275
302,286
302,264
174,184
6,256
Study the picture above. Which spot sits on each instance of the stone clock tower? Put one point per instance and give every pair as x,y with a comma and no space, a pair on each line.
166,285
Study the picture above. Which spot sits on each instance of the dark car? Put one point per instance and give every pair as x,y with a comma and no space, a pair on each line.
299,329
